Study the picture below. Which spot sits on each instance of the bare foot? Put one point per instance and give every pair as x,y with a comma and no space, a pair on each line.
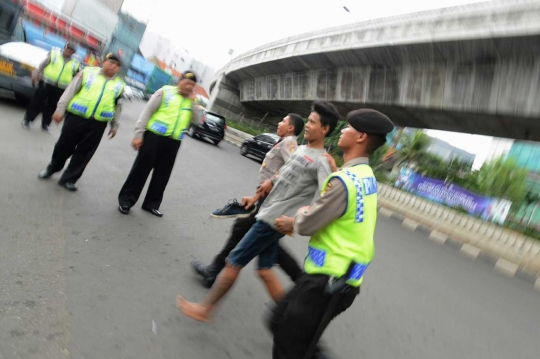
193,310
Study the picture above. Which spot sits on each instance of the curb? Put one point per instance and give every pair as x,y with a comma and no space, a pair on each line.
500,265
232,142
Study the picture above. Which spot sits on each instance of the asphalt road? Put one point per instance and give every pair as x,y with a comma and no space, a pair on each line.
80,280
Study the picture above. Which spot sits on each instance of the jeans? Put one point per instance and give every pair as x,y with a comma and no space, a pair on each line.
261,240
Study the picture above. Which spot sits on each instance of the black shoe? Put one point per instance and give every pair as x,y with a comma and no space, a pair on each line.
207,274
123,209
25,124
155,212
233,209
68,185
45,173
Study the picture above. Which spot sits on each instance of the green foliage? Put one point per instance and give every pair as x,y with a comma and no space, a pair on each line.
331,143
412,148
413,145
375,159
501,178
243,127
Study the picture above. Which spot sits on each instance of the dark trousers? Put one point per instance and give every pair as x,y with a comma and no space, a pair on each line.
79,140
297,317
45,99
157,153
239,229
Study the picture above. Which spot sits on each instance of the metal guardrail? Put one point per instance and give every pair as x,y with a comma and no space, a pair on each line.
236,137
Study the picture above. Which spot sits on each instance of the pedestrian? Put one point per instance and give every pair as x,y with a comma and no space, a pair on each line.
88,104
288,130
158,135
295,185
52,76
90,59
341,224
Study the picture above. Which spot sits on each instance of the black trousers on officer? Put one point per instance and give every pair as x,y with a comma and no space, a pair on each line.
45,99
79,139
157,153
239,229
297,317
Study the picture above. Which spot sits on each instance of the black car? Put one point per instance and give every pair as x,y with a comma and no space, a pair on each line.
212,127
259,145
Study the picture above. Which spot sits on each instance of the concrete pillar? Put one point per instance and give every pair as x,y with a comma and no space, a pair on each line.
225,98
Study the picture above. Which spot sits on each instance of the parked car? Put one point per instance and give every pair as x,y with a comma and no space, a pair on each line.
259,145
212,126
17,61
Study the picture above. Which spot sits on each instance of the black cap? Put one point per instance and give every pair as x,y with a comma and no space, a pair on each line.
370,121
114,57
190,75
70,45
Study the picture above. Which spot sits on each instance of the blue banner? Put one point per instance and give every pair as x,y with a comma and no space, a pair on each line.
487,208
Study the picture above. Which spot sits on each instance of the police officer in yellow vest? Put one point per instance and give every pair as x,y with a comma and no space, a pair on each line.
158,134
341,224
54,75
89,103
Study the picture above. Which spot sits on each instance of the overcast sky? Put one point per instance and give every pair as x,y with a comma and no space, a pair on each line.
209,28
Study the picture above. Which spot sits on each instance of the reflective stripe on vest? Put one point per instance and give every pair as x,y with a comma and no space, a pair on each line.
350,237
58,72
97,96
173,116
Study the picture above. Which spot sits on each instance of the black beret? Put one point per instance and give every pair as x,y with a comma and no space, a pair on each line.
370,121
190,75
114,57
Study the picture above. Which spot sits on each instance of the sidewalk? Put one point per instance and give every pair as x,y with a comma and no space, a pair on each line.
511,252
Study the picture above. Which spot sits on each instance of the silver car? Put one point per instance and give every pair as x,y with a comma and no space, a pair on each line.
17,61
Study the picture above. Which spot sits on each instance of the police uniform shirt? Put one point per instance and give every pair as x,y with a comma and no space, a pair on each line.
45,63
151,107
329,207
276,157
73,88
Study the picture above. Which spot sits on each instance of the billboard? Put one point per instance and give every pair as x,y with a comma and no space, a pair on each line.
488,208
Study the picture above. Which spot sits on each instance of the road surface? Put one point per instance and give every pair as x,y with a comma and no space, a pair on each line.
80,280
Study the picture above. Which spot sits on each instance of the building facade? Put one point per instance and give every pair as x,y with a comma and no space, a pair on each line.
98,17
204,72
448,152
156,46
126,38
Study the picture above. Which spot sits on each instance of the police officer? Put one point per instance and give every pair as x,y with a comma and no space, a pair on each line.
54,75
158,134
89,103
341,224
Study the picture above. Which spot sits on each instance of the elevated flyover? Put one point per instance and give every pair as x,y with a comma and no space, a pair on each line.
472,69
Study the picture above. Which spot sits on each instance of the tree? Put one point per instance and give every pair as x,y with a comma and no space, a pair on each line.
501,178
376,158
413,146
